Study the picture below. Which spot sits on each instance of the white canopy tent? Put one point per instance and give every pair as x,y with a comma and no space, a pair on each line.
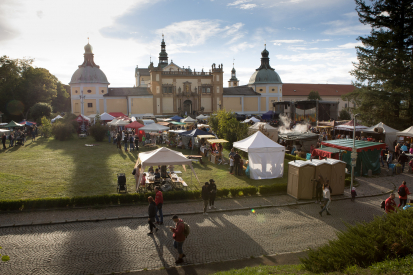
113,122
154,127
162,156
253,119
56,118
122,122
106,117
4,131
272,131
202,117
390,133
406,133
351,128
265,157
188,120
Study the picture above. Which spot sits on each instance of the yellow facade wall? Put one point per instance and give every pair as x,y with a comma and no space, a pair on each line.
258,90
206,81
275,88
206,103
251,104
101,106
76,106
142,105
74,89
116,105
271,100
263,104
103,90
167,80
167,105
232,104
91,89
89,110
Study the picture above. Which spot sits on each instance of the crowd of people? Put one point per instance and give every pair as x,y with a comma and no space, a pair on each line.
19,136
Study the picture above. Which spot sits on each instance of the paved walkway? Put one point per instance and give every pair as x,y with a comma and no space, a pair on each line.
121,245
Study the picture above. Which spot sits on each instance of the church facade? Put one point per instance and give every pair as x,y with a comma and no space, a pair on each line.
168,89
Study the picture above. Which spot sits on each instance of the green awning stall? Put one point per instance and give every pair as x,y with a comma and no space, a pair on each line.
177,123
368,154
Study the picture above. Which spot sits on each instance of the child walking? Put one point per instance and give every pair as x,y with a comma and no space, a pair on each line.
353,193
231,165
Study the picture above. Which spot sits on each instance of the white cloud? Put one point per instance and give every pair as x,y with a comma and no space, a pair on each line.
350,45
238,2
280,42
247,6
241,47
241,4
348,26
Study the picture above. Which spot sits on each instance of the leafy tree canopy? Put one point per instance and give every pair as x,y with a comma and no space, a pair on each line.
314,95
383,72
226,126
40,110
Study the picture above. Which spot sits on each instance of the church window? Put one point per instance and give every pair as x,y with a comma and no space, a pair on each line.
273,90
103,91
76,91
260,90
89,91
90,105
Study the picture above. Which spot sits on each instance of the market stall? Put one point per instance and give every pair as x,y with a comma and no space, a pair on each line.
299,142
13,124
216,155
326,152
367,154
176,118
266,129
252,119
162,156
383,132
265,156
204,148
349,127
202,117
406,135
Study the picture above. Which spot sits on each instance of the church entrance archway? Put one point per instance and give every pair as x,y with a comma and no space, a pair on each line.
187,107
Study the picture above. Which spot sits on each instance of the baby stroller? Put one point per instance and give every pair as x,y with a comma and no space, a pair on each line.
122,183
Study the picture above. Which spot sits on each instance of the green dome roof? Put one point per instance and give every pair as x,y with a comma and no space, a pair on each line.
264,76
89,74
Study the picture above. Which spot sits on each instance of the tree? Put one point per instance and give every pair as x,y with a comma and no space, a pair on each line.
61,103
40,110
314,95
384,71
97,130
344,115
226,126
46,127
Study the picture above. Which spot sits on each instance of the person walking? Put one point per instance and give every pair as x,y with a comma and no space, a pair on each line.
131,142
231,165
212,193
390,204
205,196
33,135
151,215
125,140
137,142
11,138
402,160
353,193
389,159
403,191
3,140
159,203
179,237
237,159
136,173
327,199
319,190
118,141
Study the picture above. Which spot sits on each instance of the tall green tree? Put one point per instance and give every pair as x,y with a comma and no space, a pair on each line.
61,103
384,71
314,95
226,126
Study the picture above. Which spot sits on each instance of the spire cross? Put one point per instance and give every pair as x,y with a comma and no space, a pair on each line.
88,40
162,35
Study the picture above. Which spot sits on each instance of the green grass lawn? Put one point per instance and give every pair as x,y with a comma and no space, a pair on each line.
52,168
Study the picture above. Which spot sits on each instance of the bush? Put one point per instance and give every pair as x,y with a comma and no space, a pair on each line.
98,131
271,189
62,131
46,127
224,192
386,237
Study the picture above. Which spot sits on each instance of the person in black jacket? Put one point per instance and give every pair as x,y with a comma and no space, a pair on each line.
403,159
205,196
151,215
212,193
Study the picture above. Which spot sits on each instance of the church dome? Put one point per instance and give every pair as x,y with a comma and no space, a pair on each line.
88,72
264,76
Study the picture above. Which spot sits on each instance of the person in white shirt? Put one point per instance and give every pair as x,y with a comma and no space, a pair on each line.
327,199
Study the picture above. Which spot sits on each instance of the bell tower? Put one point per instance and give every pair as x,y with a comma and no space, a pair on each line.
233,82
163,56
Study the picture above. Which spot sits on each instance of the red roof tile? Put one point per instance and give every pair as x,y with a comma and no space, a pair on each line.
298,89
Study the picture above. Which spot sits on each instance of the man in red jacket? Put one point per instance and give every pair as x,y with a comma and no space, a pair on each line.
403,191
179,237
390,204
159,203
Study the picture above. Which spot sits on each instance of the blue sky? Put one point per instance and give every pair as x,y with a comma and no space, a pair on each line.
310,41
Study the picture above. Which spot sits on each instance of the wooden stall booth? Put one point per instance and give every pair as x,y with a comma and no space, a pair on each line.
215,155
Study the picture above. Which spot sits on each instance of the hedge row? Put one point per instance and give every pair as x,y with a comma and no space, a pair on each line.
131,198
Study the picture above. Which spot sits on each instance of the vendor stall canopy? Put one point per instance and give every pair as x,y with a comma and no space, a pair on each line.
194,133
347,144
176,118
406,133
216,140
298,136
206,136
12,124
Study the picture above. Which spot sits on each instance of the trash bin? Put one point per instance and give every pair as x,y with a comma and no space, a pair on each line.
300,175
338,175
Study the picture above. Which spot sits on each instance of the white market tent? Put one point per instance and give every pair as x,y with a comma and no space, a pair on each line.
188,120
265,157
4,131
406,133
162,156
122,122
390,133
154,127
253,119
106,117
56,118
202,117
113,122
272,131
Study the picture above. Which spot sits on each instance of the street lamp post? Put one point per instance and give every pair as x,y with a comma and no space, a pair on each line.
353,152
81,108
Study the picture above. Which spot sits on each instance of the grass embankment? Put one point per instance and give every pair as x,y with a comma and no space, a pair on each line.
391,267
51,168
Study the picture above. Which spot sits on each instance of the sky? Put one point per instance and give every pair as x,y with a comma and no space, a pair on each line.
309,41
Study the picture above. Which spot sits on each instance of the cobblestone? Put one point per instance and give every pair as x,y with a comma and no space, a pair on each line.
121,245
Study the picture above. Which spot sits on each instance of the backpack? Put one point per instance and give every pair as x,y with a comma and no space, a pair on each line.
402,191
187,229
383,204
